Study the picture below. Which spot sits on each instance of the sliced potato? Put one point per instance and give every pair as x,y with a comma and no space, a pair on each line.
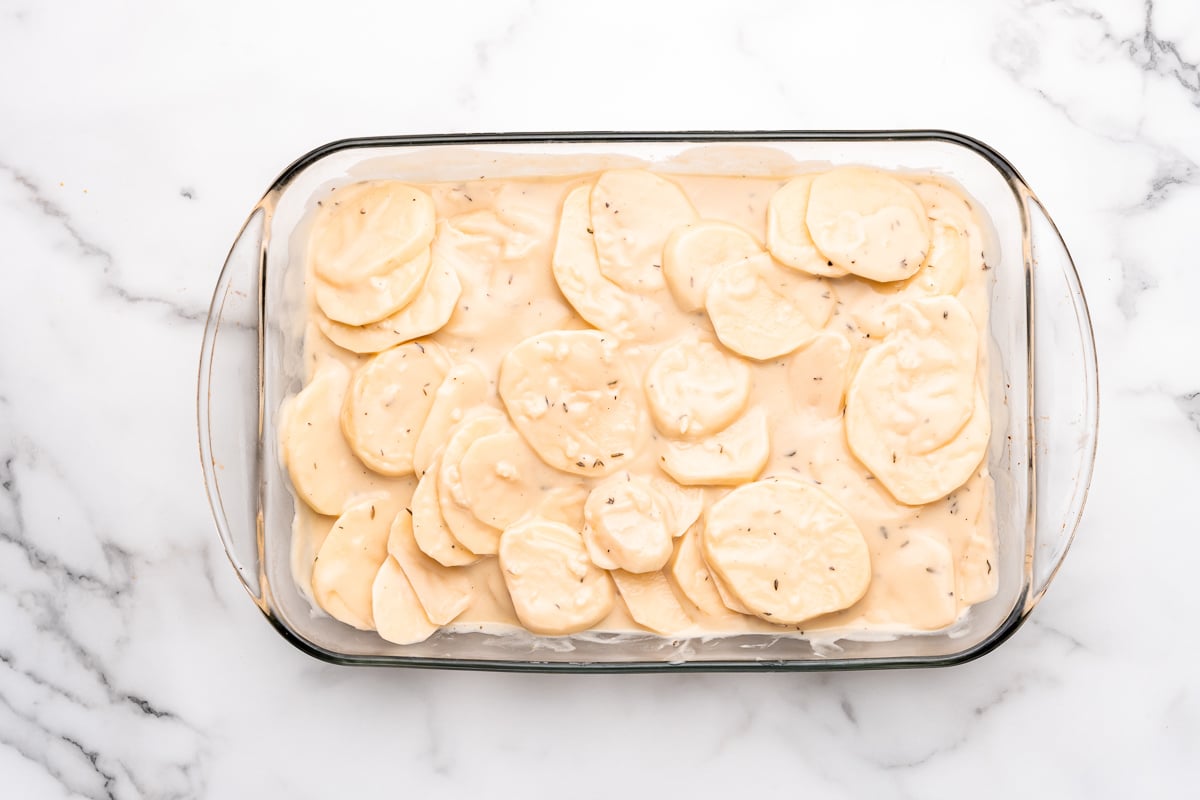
729,457
564,504
426,314
555,589
787,230
464,388
573,397
351,554
819,372
762,310
868,223
387,403
325,472
502,478
694,252
627,525
444,592
914,415
478,536
692,575
375,297
429,528
369,228
694,389
651,602
633,212
399,616
594,297
787,550
684,504
920,580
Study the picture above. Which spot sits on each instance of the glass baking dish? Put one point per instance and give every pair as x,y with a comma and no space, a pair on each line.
1043,391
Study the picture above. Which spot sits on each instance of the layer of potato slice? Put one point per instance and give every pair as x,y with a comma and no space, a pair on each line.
429,528
651,602
731,456
464,388
693,253
478,536
693,389
375,297
787,230
348,560
787,550
444,592
399,616
555,588
627,524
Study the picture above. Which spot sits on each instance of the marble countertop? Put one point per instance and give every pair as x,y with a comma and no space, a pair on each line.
133,144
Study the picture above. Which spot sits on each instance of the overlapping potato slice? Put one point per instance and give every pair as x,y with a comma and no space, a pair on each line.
729,457
786,550
444,592
465,387
693,389
368,229
351,554
478,536
684,504
633,212
787,230
387,403
426,314
692,575
375,297
555,588
651,602
818,374
325,472
594,297
920,580
914,415
399,616
868,223
429,528
627,525
573,397
502,478
693,253
762,310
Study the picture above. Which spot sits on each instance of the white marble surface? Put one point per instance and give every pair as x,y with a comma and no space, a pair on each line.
133,142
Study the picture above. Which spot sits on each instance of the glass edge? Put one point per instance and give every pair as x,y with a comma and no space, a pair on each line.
997,637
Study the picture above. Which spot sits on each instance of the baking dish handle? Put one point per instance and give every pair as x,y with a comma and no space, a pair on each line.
227,403
1066,396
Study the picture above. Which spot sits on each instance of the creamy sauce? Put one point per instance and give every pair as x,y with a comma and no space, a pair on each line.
553,359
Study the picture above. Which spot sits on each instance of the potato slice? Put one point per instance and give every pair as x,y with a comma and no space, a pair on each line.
684,504
693,253
692,575
914,415
694,389
502,479
376,297
429,528
464,388
325,473
594,297
762,310
399,615
818,374
564,504
554,588
573,397
729,457
786,550
633,212
868,223
479,537
627,525
426,314
787,230
444,592
387,403
351,554
920,580
651,602
369,228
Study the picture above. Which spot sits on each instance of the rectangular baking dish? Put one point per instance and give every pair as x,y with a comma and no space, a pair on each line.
1043,391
